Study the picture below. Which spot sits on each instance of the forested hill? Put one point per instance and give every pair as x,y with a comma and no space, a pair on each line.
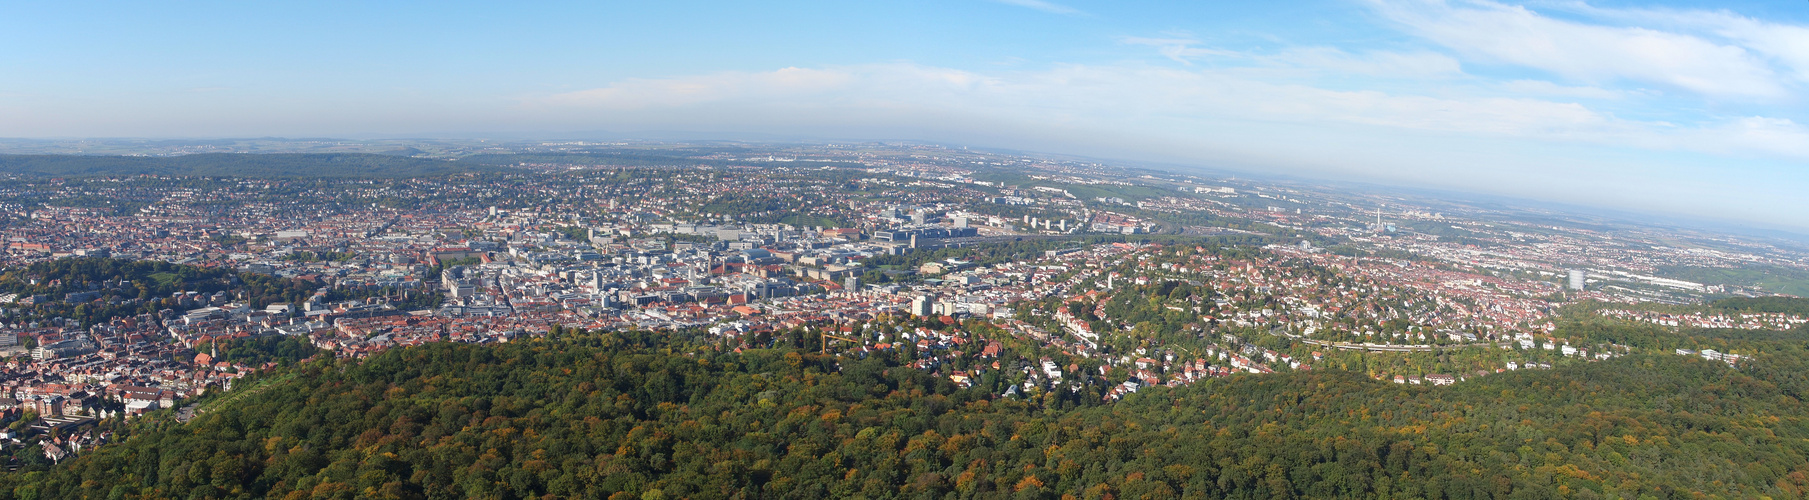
275,165
631,415
1786,305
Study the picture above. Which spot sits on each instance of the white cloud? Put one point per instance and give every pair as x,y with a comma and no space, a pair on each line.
1374,63
1786,46
1588,52
1181,50
1545,88
1042,6
1322,60
1789,45
1753,135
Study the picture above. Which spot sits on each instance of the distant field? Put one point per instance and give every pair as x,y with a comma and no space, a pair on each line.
1771,278
807,220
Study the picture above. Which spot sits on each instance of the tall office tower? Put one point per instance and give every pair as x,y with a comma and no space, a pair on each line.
1576,279
923,305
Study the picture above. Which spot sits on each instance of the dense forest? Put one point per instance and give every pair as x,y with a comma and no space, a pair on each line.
653,415
1786,305
273,165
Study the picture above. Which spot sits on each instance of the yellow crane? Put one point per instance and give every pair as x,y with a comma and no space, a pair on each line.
827,336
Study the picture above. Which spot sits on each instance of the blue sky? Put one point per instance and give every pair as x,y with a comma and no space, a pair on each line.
1669,107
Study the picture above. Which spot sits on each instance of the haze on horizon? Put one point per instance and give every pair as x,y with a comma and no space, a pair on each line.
1674,107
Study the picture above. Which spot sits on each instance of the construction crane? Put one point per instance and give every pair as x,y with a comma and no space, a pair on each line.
827,336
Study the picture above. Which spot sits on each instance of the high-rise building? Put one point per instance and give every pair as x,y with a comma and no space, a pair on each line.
1576,279
923,305
852,284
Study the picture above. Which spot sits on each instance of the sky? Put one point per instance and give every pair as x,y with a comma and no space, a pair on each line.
1691,108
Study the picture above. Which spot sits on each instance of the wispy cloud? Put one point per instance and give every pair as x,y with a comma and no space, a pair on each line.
1384,64
1786,46
1330,60
1181,50
1043,6
1549,89
1596,53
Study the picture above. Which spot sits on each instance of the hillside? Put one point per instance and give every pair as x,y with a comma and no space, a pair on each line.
1785,305
633,415
356,165
1777,279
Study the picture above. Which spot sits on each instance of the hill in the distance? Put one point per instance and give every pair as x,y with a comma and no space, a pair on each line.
237,165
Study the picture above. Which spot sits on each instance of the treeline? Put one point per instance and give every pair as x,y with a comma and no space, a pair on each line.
1730,305
1786,305
259,350
275,165
642,415
1772,278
